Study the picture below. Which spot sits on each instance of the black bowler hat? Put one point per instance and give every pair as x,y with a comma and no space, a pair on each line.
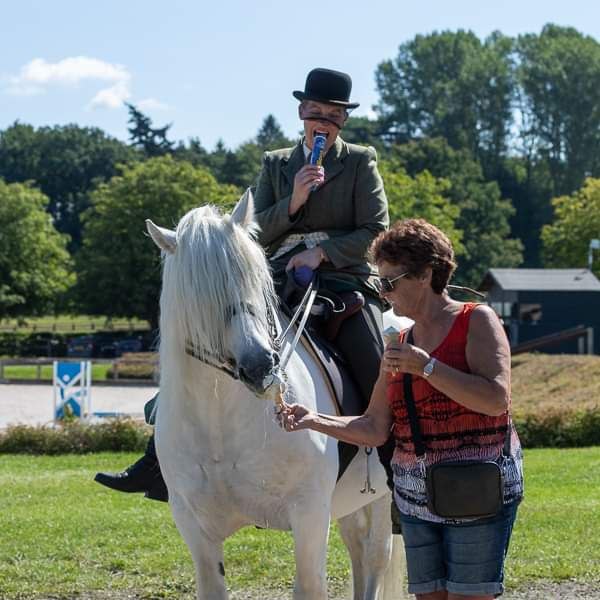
330,87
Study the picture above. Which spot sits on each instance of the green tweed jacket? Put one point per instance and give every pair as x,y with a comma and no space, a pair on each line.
350,206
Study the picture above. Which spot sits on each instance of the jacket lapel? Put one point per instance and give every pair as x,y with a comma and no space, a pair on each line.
293,164
334,160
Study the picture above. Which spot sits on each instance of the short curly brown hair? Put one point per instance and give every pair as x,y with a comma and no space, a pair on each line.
417,244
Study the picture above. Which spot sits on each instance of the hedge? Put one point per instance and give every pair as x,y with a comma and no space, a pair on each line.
76,437
555,430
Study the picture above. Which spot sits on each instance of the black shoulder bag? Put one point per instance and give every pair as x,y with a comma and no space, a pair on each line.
458,489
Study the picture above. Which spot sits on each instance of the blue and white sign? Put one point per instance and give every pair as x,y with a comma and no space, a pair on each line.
72,385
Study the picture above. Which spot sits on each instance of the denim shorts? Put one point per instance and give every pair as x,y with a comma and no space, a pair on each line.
465,558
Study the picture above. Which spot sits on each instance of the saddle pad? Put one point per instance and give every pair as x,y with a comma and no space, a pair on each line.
344,390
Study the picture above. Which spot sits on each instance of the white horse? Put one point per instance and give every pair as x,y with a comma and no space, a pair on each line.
226,461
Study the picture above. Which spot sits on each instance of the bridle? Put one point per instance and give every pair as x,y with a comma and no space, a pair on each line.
229,366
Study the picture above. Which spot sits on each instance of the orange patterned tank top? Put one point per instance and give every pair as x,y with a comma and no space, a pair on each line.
450,431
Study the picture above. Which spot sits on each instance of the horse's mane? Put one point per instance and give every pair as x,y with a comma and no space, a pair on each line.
216,269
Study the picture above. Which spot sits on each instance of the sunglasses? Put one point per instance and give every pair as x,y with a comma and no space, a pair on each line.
387,284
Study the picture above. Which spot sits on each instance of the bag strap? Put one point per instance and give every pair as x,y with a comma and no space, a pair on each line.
411,409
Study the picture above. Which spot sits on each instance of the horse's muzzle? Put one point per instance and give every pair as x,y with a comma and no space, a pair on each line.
257,370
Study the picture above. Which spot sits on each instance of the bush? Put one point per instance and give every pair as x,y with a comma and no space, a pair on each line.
549,430
560,429
75,437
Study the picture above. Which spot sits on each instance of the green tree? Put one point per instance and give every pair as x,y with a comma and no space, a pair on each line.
451,85
527,182
118,266
559,79
194,152
365,131
270,136
422,196
220,162
484,214
65,162
576,221
35,267
151,141
240,167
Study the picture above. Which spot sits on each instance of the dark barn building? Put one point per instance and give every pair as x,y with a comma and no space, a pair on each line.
534,303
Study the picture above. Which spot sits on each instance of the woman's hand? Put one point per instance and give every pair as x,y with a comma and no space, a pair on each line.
295,417
404,358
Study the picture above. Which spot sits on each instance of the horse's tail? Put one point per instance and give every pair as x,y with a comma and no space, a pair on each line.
394,582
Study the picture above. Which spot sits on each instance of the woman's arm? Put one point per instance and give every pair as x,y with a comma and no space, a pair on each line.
369,429
487,388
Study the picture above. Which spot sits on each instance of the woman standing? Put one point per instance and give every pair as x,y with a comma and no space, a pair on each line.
458,360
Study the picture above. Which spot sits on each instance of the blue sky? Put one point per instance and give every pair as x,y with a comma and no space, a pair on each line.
216,69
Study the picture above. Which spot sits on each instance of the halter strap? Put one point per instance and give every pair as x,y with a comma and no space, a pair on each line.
231,369
224,366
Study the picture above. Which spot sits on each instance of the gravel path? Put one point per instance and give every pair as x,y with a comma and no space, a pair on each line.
33,404
567,590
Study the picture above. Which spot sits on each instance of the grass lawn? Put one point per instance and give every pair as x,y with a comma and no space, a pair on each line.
62,534
26,372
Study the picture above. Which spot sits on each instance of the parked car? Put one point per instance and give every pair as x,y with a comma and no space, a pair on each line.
103,345
81,346
128,345
42,344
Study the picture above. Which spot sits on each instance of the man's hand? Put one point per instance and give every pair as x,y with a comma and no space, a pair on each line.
311,258
308,177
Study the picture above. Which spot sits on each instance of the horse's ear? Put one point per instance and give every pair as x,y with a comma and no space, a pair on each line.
243,213
165,239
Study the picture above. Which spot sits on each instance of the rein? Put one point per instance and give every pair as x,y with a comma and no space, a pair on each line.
305,304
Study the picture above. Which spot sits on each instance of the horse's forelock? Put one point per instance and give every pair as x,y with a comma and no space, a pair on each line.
217,268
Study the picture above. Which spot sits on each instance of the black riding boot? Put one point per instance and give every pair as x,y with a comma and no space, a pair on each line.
142,476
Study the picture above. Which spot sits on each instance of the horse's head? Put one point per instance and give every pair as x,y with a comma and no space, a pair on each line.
217,298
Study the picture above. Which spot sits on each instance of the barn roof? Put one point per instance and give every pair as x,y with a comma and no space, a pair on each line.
529,280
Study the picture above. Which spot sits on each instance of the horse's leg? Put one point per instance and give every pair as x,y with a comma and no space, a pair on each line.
207,553
367,534
310,527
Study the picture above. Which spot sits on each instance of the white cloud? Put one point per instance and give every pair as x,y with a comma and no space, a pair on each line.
38,74
114,79
112,97
151,104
